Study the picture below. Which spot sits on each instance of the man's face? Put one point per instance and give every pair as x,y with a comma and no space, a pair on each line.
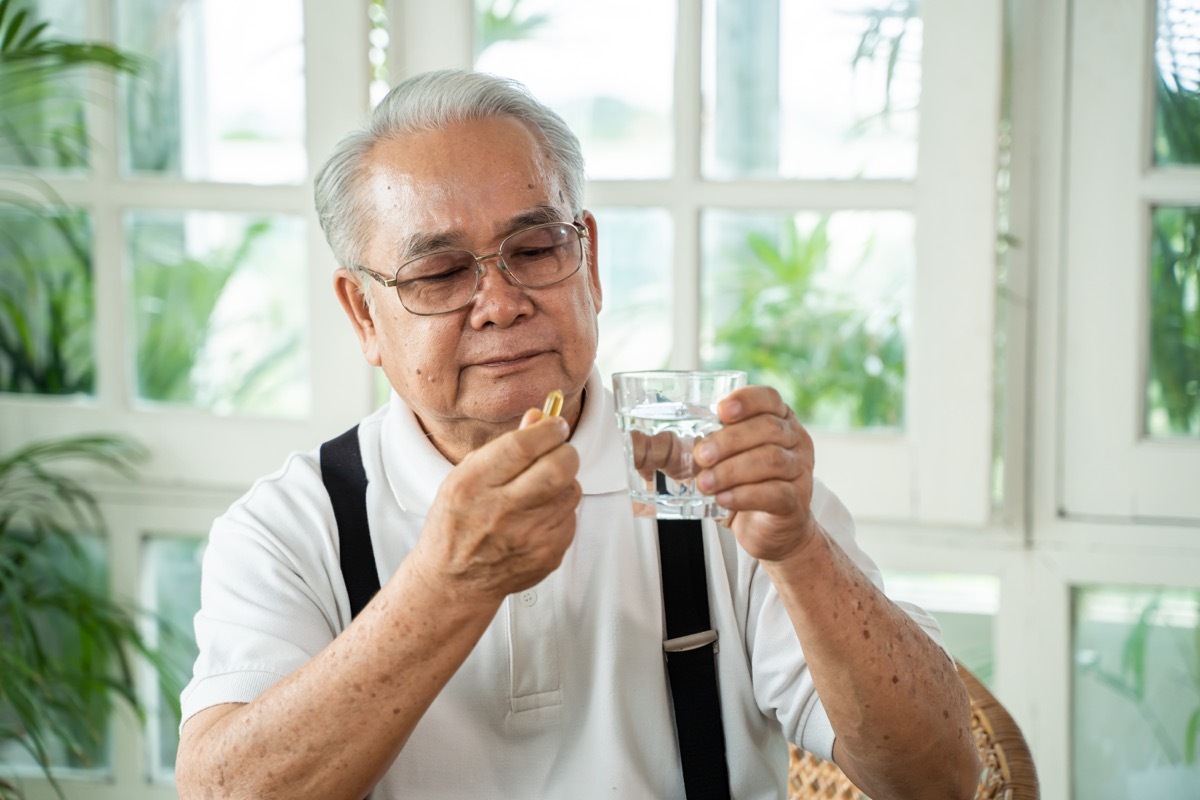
481,367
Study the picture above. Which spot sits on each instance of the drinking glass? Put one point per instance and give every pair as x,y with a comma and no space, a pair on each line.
663,414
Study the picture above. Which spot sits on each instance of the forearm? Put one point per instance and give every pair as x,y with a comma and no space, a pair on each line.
899,710
333,727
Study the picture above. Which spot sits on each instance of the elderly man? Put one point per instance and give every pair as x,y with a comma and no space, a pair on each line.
515,647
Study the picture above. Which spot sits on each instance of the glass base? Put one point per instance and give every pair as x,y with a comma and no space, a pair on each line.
679,507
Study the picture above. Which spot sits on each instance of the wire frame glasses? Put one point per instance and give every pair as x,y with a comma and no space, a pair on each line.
445,281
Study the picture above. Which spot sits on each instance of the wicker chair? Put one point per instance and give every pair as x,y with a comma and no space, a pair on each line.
1008,769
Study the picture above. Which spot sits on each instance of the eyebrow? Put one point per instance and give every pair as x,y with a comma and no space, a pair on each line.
419,244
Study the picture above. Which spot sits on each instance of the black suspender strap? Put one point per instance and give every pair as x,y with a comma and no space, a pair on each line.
691,652
346,481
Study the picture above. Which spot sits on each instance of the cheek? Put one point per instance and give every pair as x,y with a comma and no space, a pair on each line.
420,357
583,333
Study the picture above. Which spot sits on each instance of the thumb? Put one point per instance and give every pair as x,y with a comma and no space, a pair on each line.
531,416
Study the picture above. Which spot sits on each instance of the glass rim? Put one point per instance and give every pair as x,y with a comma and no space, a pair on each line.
678,373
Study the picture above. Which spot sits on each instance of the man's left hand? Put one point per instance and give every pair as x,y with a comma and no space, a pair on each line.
760,467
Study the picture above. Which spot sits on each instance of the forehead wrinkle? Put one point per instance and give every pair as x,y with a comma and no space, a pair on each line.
423,243
538,215
419,244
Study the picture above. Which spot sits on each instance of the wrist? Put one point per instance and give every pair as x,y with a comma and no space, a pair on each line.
802,548
446,591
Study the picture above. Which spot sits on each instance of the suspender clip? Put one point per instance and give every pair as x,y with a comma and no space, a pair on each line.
692,641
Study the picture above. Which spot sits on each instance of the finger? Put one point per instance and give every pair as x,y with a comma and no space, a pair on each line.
506,457
774,497
759,465
550,479
531,416
664,452
750,433
750,401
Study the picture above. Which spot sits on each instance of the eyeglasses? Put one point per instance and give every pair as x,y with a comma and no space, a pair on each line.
445,281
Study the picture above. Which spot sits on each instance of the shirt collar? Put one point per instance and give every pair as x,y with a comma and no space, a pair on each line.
415,468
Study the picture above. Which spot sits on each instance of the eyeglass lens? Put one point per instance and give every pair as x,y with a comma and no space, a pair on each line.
445,281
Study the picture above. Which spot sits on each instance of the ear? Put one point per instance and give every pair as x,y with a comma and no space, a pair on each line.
593,261
350,293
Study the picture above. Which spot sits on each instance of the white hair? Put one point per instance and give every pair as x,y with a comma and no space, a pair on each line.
428,102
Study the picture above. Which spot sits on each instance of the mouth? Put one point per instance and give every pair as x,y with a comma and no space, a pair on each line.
508,360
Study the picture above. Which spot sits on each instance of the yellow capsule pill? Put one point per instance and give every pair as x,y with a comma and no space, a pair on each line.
554,403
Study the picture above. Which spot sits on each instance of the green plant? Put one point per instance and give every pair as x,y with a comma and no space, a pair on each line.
176,296
1131,680
69,647
1174,282
502,20
887,25
47,296
41,113
45,258
832,361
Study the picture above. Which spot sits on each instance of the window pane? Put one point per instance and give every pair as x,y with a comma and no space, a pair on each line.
635,276
964,606
47,307
1173,385
610,78
219,308
224,98
813,305
42,120
1136,693
171,588
1177,83
804,89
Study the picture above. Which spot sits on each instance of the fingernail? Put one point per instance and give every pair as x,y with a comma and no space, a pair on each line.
733,409
706,481
706,453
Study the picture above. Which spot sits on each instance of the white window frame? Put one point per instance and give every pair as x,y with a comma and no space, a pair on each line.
1077,522
938,470
1110,468
922,498
191,447
199,463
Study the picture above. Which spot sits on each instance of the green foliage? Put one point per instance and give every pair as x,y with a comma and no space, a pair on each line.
45,260
1174,374
46,299
46,276
1174,281
176,296
502,20
887,25
833,363
69,649
41,110
1132,679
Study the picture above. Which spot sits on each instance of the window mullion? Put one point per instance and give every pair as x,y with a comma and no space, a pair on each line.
425,36
950,379
686,181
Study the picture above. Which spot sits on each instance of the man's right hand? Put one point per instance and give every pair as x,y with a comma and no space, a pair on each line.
504,517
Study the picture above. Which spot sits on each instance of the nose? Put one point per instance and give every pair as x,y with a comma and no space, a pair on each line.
499,299
499,267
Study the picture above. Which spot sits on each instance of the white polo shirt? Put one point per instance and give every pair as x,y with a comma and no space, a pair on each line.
566,694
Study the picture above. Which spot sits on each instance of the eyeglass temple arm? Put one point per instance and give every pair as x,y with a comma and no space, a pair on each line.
386,282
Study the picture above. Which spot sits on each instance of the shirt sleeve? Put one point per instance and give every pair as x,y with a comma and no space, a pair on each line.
270,585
